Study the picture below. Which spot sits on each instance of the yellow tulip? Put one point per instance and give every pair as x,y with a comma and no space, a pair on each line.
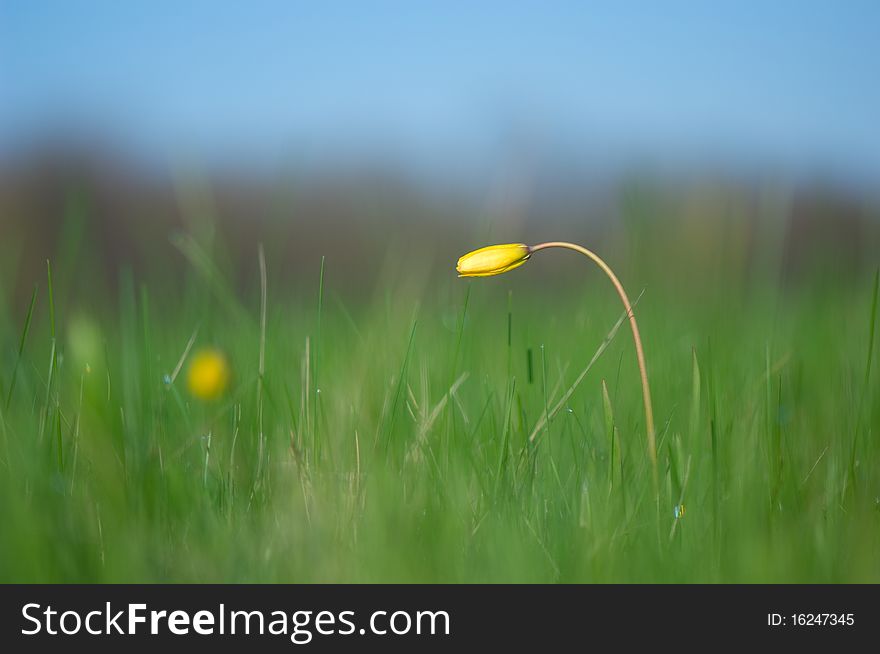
208,375
497,259
493,260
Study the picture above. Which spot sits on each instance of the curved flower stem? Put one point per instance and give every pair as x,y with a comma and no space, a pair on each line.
640,355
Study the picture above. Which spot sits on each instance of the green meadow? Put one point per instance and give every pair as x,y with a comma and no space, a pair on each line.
415,427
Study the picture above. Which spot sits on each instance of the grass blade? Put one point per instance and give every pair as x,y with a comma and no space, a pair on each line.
21,342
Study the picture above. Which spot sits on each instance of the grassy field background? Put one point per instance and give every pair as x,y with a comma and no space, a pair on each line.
387,434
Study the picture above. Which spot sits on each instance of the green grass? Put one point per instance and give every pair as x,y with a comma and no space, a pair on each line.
386,436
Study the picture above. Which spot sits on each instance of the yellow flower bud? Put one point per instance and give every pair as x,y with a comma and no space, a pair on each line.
208,375
493,260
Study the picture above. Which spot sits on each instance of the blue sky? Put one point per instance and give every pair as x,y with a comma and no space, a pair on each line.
794,83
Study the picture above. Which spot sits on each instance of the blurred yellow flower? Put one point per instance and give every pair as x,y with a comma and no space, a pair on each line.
208,374
493,260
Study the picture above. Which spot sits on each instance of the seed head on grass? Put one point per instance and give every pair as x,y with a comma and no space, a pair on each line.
84,341
497,259
208,375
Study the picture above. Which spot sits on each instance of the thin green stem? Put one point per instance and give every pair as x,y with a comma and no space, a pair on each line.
640,355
